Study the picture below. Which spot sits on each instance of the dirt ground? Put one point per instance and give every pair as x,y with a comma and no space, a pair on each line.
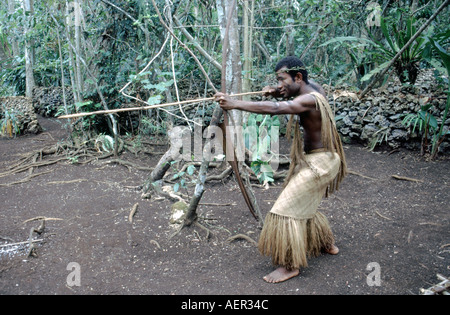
400,226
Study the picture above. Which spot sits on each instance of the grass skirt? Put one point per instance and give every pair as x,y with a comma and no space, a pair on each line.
291,242
294,230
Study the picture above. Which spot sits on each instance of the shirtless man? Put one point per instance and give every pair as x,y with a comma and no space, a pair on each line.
296,89
291,84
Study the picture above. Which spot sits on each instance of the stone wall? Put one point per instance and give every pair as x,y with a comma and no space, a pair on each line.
23,111
46,101
379,116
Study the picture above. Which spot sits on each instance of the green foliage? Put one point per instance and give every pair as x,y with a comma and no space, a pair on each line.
437,55
383,51
181,178
9,122
116,47
258,139
423,120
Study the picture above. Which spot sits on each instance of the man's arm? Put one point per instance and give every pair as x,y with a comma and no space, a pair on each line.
299,105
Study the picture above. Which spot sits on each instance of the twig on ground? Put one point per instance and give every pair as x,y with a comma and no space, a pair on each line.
361,175
407,178
132,213
382,216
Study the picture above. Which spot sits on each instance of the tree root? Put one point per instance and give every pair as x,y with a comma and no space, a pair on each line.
243,237
129,165
195,223
27,179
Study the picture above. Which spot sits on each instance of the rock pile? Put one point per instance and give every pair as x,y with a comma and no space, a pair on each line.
377,119
19,111
46,101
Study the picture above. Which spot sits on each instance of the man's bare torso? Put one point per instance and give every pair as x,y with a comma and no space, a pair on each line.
311,121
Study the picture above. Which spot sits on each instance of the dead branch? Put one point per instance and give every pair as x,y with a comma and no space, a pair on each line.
132,213
155,243
361,175
442,287
67,181
42,219
215,205
382,216
21,243
407,178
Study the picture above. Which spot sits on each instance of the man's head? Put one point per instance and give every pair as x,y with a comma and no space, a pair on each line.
291,74
293,66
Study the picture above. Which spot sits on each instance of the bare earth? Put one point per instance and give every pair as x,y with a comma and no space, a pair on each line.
402,226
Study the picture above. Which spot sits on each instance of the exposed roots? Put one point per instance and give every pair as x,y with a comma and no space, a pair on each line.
50,155
242,237
209,234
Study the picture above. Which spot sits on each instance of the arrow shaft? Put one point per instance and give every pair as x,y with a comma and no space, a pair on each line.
121,110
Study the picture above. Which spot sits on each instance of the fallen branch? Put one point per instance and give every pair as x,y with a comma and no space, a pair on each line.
155,243
442,287
216,205
21,243
42,219
407,178
361,175
67,181
382,216
132,213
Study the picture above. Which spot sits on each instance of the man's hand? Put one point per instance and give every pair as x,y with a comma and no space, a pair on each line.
271,91
225,101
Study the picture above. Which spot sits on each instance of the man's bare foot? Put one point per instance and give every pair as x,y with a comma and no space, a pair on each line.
281,274
332,250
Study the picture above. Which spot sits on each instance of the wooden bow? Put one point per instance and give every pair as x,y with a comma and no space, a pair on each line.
233,162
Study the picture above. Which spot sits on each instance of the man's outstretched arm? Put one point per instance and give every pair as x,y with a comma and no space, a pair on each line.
299,105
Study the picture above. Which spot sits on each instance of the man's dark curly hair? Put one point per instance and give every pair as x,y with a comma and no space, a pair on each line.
293,65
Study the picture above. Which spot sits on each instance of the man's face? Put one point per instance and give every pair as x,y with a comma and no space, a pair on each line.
287,86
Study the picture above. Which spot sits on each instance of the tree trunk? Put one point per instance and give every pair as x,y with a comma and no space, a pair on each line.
73,77
30,82
249,21
14,43
78,17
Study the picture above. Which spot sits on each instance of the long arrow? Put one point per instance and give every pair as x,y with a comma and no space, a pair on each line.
130,109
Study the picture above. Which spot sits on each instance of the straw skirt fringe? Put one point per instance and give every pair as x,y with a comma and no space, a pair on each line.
290,242
294,230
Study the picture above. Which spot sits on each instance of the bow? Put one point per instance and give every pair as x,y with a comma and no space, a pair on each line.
233,162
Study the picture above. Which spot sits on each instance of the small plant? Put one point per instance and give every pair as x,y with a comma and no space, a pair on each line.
104,143
378,137
425,122
180,177
9,122
258,141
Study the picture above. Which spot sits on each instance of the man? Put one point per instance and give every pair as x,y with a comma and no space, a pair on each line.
294,230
